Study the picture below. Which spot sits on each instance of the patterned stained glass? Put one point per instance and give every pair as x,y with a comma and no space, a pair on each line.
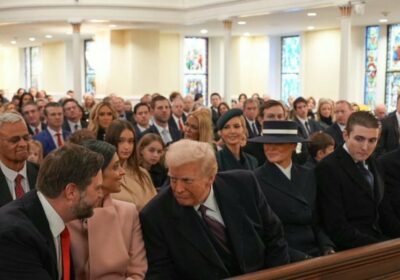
371,62
393,67
290,62
90,73
195,66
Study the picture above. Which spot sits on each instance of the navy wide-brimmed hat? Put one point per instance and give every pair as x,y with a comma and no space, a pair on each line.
236,112
279,132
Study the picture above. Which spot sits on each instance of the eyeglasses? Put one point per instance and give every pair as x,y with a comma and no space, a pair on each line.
17,138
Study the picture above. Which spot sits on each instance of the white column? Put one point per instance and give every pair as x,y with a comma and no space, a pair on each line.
345,51
77,58
227,60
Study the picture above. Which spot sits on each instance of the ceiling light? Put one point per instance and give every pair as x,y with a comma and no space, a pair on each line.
204,31
247,34
13,42
242,22
112,25
49,36
383,20
32,39
312,14
98,21
311,28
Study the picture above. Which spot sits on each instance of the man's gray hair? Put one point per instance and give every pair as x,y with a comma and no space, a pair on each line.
189,151
10,117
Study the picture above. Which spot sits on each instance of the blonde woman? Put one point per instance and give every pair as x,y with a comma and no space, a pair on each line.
100,119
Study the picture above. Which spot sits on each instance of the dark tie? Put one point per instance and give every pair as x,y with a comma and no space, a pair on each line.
59,140
255,130
307,128
65,249
76,127
216,228
19,190
37,130
368,176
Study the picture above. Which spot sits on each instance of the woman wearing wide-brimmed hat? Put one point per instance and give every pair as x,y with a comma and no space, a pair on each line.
232,129
291,191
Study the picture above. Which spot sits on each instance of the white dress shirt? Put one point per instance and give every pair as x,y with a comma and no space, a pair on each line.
10,178
54,136
212,208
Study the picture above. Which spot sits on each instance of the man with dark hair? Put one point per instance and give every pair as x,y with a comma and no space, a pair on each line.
354,204
17,175
307,126
343,110
141,115
34,241
390,136
53,136
321,145
215,99
73,113
250,112
31,114
161,113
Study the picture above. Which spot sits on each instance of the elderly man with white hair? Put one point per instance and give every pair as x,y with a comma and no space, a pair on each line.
207,225
380,111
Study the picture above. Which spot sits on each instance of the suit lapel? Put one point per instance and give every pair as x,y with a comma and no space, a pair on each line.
276,179
379,185
5,195
348,165
189,224
234,218
32,175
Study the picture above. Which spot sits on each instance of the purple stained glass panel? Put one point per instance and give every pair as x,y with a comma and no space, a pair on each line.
371,62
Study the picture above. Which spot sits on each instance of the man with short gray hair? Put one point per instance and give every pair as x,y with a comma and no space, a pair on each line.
17,176
207,225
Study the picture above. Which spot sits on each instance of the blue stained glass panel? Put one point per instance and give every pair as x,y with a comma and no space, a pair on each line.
394,48
290,86
291,54
392,90
371,62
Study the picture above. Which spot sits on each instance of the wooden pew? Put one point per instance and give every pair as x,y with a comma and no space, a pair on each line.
377,261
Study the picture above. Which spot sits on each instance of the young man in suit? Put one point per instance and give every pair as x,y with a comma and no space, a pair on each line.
17,175
250,112
215,99
306,126
53,136
31,114
161,114
354,204
343,110
141,115
206,225
73,116
34,241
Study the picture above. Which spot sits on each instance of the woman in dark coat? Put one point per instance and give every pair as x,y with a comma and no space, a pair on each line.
291,191
232,129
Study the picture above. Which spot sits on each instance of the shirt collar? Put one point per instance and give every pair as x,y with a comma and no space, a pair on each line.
72,124
210,202
398,118
53,132
55,222
12,174
160,128
303,121
286,171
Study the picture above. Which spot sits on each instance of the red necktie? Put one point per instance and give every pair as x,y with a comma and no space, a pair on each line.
19,190
37,130
59,140
180,125
65,249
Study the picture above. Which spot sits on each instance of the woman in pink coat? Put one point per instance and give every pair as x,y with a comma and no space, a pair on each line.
108,245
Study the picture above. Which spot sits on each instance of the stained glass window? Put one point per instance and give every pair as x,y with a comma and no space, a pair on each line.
32,66
290,65
371,62
393,67
90,73
195,67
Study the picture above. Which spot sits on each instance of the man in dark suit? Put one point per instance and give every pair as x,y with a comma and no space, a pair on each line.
215,99
206,225
53,136
17,176
343,110
250,112
141,115
390,136
161,114
306,126
354,204
178,118
73,116
390,163
31,114
34,241
118,104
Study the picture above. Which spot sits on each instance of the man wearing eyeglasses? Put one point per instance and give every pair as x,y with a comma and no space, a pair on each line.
17,175
208,225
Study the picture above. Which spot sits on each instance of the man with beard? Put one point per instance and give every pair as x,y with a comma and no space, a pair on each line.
17,176
34,241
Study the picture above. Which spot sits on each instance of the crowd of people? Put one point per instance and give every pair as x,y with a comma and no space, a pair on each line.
172,189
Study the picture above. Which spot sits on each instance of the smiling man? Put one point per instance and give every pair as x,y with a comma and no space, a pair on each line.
354,205
207,225
17,176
